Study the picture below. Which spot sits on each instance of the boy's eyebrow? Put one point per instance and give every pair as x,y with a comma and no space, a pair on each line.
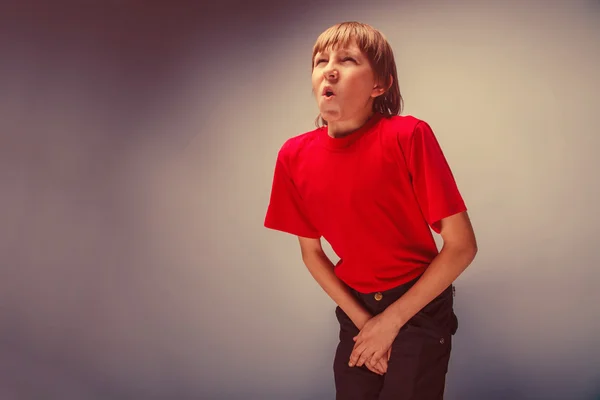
340,50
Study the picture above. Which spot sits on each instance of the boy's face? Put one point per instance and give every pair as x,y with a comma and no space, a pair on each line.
344,83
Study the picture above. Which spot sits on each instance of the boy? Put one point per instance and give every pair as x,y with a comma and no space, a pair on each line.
373,183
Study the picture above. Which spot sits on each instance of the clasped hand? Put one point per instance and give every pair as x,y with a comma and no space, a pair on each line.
373,344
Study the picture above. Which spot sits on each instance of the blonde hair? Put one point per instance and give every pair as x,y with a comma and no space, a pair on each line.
381,57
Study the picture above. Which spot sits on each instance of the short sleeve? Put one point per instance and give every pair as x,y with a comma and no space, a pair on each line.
432,179
286,211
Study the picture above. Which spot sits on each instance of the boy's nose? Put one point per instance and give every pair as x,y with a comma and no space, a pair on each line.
331,74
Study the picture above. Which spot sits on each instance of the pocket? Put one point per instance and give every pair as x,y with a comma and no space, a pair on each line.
453,324
437,318
347,327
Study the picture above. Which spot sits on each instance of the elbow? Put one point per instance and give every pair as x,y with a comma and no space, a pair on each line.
464,252
469,251
472,252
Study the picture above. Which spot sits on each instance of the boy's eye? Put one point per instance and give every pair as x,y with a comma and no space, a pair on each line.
344,59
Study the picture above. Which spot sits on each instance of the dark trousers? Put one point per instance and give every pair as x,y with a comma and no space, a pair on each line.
420,353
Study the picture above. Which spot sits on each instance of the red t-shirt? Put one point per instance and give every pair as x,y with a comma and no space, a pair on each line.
373,195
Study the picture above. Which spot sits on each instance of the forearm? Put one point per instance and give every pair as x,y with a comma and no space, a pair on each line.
443,270
321,268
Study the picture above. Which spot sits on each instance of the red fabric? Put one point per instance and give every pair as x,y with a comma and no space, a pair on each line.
373,195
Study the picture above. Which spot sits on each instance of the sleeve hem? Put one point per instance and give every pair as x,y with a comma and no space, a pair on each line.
292,231
436,224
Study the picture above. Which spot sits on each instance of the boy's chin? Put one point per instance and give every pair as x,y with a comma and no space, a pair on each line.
331,115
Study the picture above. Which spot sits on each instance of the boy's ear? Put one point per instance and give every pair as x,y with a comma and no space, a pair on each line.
380,89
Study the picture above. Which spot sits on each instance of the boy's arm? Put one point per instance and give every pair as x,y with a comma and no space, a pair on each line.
321,268
457,253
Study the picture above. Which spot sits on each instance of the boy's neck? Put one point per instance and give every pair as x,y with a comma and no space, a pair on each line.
338,129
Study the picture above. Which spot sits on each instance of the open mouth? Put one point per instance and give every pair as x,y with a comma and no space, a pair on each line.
328,93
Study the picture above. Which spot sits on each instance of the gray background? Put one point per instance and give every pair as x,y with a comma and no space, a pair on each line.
138,140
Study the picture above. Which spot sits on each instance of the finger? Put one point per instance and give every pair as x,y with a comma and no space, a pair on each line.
358,338
356,353
377,356
354,356
380,365
375,365
385,360
359,346
360,334
365,355
383,365
381,359
389,353
375,369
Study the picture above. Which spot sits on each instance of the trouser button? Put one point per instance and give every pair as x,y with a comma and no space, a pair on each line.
378,296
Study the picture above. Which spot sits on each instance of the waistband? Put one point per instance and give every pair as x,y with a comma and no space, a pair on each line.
376,302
